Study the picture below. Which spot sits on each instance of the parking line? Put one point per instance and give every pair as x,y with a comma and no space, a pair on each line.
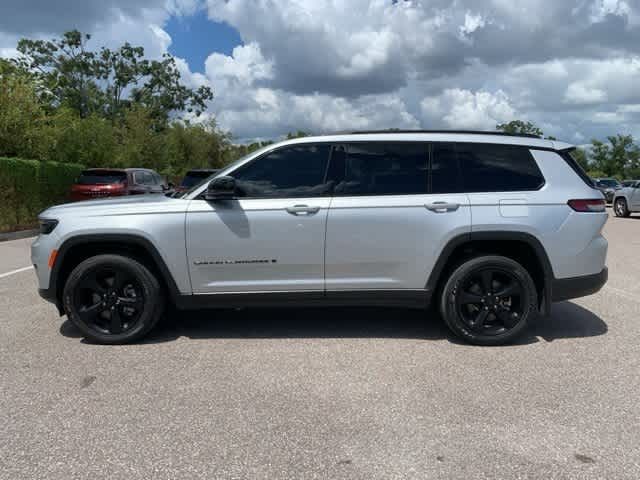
12,272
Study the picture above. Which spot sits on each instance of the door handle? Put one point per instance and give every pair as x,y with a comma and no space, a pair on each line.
442,207
302,210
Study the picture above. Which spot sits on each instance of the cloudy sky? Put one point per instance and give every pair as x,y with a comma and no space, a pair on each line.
571,66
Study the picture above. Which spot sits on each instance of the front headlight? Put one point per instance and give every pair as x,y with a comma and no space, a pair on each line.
47,225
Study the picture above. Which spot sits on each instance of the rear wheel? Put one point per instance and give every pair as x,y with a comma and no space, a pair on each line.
113,299
620,208
488,300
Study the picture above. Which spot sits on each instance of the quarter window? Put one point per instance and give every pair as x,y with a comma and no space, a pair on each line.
295,171
380,169
497,168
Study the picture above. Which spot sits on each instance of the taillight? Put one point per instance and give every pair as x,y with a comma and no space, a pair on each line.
587,205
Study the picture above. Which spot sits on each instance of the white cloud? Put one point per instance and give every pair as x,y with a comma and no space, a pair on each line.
579,94
601,8
464,109
471,24
325,65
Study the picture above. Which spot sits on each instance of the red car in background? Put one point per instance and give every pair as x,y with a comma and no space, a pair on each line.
113,182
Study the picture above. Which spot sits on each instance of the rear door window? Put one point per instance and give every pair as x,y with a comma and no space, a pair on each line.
497,168
379,168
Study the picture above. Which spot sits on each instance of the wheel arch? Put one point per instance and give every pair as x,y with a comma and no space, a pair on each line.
619,196
522,247
78,248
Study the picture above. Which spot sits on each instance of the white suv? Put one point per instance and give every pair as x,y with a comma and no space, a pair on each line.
492,228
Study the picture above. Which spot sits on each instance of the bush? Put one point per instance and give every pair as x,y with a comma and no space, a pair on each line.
27,187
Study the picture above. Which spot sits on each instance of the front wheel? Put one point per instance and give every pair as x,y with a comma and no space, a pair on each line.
488,300
113,299
620,208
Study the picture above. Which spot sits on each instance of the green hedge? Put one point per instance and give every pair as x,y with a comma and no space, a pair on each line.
28,186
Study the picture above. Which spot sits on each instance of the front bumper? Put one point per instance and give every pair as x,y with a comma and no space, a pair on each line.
49,295
575,287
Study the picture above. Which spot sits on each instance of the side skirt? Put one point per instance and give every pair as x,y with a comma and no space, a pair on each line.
375,298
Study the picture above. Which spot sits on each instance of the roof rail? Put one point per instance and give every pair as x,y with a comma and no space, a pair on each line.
467,132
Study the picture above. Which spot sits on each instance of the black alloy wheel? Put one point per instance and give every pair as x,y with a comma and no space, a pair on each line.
109,300
113,299
488,300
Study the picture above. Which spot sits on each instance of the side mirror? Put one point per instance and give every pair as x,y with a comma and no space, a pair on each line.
170,186
221,188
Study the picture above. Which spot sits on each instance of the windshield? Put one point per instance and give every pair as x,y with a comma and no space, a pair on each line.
94,177
608,183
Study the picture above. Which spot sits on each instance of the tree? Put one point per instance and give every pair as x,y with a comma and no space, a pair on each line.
109,82
65,69
21,113
520,127
619,157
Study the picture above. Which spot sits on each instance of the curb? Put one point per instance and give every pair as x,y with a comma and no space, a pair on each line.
4,237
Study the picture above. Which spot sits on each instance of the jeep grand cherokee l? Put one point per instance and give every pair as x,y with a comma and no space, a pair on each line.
490,228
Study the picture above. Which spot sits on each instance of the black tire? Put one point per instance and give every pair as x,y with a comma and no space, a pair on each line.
113,299
488,300
620,208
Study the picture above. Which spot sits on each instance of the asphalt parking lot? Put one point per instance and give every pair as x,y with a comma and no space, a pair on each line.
357,393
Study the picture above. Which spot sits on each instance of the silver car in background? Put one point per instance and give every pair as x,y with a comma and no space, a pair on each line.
627,199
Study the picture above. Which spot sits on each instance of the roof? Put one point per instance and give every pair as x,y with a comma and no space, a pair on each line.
435,136
466,132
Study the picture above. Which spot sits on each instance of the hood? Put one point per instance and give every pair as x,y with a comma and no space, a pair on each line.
127,204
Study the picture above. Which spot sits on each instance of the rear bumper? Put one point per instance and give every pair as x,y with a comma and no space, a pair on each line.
575,287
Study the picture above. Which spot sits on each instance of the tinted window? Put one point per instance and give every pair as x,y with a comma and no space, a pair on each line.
445,173
157,179
497,168
94,177
297,171
380,169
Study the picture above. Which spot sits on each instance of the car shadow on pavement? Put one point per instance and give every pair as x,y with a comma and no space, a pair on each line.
568,320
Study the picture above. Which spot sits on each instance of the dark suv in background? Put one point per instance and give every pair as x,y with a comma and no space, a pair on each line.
113,182
192,178
608,187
